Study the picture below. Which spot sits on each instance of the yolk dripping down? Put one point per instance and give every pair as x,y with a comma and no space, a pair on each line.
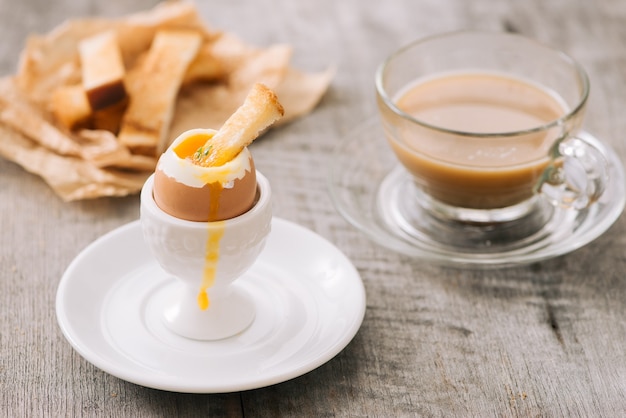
210,265
186,150
212,251
217,196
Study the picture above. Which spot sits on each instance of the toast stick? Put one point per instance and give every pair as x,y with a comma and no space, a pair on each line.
153,90
102,70
259,110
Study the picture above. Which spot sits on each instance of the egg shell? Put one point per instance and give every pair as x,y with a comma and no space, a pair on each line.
203,194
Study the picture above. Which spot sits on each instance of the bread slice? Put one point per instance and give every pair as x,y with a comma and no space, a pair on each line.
70,106
153,86
102,70
260,109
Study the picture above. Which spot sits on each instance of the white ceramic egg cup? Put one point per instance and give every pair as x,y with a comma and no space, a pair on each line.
179,246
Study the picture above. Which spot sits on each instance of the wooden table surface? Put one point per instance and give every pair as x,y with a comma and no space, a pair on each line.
547,339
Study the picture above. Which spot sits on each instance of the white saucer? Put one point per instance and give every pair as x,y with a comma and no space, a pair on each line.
309,298
366,182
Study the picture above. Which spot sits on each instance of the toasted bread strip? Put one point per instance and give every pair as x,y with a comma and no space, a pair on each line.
70,105
153,89
259,110
102,70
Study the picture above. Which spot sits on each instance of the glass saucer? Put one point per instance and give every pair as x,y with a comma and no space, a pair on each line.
370,189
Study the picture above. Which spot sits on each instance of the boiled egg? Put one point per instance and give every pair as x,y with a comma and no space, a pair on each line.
192,192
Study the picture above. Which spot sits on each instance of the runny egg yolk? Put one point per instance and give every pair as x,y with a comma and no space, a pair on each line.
190,145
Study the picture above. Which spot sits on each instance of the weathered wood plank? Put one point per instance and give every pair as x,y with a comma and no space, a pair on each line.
540,340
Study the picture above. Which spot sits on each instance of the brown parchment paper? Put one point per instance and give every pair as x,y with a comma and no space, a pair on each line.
87,163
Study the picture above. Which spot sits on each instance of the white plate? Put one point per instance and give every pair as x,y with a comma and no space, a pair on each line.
366,182
309,300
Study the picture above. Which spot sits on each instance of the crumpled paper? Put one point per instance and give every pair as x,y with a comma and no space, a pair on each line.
87,163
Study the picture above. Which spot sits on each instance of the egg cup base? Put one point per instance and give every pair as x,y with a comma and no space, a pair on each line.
227,315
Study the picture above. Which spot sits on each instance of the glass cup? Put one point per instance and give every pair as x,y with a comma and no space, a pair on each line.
486,124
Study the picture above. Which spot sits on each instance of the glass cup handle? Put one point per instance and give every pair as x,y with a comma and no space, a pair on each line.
577,175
